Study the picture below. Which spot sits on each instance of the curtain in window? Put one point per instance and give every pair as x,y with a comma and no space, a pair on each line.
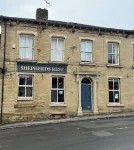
57,49
29,49
22,46
86,51
26,46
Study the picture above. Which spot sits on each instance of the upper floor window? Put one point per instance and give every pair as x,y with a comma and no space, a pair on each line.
57,49
86,50
26,47
113,53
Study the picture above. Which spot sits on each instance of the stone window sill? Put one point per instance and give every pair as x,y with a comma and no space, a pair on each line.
58,105
25,60
24,99
115,105
114,66
57,62
87,64
24,106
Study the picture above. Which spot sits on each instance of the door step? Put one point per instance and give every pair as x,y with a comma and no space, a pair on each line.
88,113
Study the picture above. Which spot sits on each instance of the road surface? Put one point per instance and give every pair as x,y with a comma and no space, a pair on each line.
112,134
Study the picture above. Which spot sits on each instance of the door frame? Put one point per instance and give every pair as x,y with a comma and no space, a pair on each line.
91,93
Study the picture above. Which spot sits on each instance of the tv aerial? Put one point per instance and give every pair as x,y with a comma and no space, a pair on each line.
48,4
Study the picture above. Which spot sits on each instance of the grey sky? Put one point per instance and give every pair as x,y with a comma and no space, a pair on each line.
107,13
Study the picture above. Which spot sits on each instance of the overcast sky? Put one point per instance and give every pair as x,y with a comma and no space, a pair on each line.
107,13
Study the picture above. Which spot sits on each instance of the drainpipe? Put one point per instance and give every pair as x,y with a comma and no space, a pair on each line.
3,70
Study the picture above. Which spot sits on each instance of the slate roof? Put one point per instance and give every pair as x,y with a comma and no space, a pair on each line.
66,24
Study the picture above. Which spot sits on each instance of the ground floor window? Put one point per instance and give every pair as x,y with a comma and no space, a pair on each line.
25,86
57,92
114,90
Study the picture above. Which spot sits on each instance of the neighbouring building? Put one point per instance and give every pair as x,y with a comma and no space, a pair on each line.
53,68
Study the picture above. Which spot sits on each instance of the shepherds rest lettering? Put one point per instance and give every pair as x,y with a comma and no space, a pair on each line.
41,68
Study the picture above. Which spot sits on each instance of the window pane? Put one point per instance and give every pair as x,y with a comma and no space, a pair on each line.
88,56
60,44
29,81
30,41
22,53
109,48
21,80
111,85
53,55
60,55
89,46
116,85
110,59
115,59
60,95
83,56
61,83
116,97
115,48
21,92
54,82
54,96
29,53
29,92
22,41
111,97
54,44
83,46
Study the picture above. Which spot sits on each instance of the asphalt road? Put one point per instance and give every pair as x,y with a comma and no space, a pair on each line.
112,134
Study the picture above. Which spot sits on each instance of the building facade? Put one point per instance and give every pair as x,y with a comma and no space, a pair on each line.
53,68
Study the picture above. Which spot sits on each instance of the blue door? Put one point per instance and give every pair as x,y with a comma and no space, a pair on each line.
86,96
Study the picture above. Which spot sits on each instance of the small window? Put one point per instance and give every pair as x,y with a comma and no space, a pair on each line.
26,47
57,92
25,86
57,49
114,90
86,50
113,53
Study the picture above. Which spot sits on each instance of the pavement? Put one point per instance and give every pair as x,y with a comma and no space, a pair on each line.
115,133
56,121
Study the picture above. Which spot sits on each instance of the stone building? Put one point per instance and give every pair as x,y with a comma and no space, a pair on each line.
53,68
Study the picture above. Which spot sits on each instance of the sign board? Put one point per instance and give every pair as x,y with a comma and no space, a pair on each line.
33,67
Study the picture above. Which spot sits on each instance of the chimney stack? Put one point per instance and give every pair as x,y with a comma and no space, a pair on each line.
42,14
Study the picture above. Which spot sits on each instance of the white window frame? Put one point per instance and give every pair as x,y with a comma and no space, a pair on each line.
57,89
86,40
118,53
26,35
25,86
57,50
109,90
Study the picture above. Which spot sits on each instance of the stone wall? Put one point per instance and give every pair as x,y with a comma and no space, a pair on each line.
42,82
